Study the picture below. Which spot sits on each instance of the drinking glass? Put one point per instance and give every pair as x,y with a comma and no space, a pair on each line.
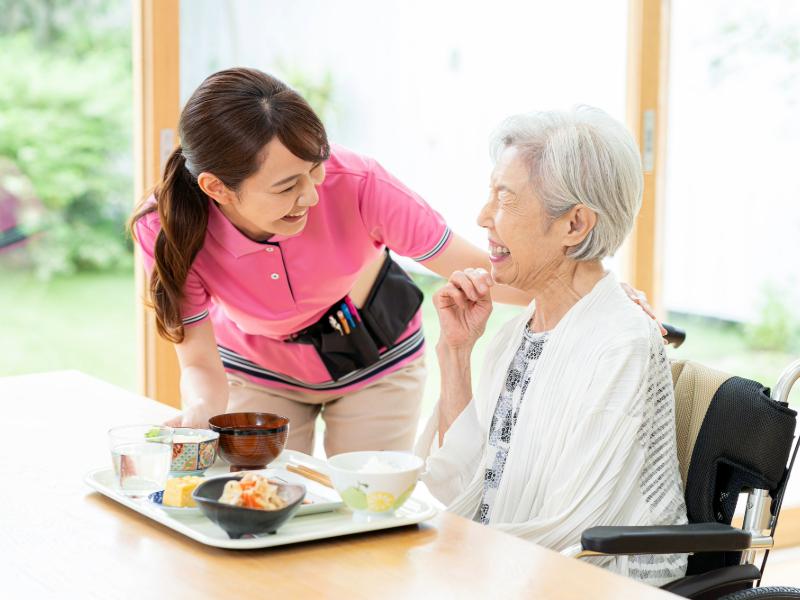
141,455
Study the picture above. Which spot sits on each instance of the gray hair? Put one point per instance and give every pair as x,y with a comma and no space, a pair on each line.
581,156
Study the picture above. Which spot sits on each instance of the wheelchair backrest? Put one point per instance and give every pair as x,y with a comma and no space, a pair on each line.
730,436
695,386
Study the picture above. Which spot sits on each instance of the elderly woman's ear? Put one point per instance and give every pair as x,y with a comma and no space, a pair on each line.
578,222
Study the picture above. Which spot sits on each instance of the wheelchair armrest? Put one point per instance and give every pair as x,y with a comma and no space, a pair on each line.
674,335
668,539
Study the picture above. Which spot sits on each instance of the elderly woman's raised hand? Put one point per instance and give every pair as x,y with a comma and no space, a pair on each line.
464,305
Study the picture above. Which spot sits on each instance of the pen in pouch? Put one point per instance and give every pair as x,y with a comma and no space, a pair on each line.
343,321
353,309
348,316
335,325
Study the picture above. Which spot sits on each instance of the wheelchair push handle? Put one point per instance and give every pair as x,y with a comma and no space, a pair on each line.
674,335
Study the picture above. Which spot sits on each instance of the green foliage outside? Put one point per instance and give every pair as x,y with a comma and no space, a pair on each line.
84,321
778,325
65,123
318,92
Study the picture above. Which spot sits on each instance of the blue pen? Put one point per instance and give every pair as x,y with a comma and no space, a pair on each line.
347,314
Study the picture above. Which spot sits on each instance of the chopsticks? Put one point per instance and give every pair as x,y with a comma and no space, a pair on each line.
310,473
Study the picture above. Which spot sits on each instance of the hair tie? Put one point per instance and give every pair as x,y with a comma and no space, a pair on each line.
188,164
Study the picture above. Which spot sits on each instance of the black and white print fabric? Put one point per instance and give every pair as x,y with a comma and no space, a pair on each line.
660,480
518,378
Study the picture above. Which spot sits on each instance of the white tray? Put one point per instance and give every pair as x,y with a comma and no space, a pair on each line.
301,528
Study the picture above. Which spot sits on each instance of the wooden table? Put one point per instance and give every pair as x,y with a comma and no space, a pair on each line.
59,538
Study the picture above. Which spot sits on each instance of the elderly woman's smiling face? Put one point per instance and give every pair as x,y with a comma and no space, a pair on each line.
527,246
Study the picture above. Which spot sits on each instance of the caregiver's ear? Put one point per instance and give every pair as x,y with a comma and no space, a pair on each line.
214,188
580,220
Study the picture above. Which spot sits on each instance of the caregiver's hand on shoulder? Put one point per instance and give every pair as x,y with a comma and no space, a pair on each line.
640,298
464,305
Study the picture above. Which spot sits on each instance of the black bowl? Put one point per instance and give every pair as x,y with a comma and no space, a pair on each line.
238,521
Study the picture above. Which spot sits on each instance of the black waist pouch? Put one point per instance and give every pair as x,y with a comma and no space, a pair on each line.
392,302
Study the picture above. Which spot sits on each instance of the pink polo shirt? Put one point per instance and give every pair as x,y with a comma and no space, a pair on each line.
258,294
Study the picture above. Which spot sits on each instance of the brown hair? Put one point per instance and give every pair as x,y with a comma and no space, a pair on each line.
223,129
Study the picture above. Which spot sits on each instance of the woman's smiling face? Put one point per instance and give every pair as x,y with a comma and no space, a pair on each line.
525,244
276,199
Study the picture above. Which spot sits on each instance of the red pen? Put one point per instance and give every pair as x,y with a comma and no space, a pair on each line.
352,308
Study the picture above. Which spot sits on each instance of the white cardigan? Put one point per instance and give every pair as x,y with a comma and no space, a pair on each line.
594,442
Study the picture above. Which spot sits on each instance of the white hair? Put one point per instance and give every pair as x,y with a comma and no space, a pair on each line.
580,156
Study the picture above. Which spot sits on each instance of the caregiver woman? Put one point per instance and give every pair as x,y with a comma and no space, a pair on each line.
266,248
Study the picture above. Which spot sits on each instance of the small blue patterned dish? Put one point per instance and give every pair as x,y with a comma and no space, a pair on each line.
157,499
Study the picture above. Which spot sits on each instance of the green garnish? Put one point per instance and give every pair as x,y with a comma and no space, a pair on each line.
155,432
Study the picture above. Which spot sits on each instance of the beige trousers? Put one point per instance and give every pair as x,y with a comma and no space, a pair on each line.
381,416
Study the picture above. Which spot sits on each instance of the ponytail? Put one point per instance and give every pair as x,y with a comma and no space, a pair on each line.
183,212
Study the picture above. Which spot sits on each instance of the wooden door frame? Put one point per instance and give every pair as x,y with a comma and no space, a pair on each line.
156,83
648,59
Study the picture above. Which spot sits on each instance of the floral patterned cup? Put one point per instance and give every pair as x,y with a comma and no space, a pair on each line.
193,450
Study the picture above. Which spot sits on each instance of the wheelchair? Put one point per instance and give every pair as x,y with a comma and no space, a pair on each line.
733,437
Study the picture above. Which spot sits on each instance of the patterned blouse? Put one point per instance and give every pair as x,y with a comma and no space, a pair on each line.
518,377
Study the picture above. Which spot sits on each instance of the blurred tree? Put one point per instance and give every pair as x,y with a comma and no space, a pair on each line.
749,33
777,327
65,122
50,21
318,92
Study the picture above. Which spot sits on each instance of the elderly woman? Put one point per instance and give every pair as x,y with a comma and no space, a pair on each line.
572,424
